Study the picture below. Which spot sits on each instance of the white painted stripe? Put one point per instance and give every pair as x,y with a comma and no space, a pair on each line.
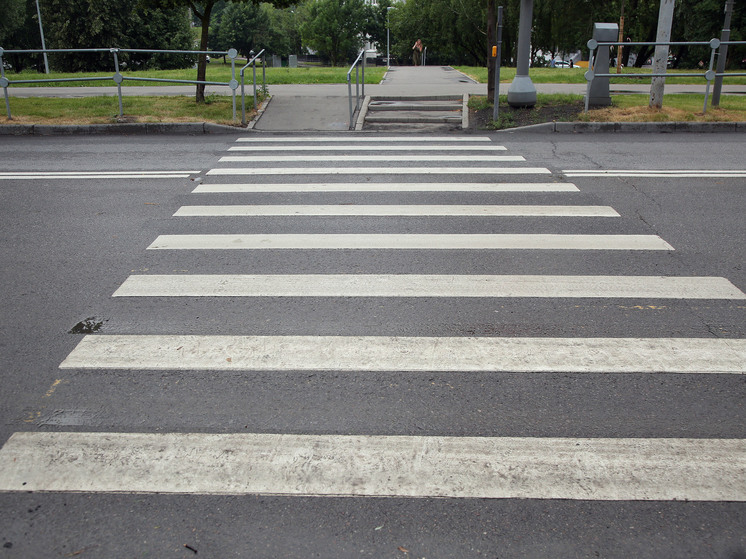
384,158
412,241
370,148
374,353
382,171
411,285
657,174
381,466
102,175
398,211
374,139
68,173
388,187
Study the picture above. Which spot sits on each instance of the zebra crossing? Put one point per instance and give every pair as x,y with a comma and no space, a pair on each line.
574,468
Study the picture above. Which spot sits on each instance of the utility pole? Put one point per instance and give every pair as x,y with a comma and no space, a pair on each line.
522,92
620,47
660,62
722,54
43,45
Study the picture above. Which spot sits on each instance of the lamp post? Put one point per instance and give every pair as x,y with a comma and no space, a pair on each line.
388,35
41,30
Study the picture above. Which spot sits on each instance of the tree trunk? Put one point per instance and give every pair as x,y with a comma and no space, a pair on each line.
202,60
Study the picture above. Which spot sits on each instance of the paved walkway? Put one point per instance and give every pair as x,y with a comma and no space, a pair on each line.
326,107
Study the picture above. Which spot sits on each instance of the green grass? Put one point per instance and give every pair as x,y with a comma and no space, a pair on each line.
676,108
576,75
216,71
105,110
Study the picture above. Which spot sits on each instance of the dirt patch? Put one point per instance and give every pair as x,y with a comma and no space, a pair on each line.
512,117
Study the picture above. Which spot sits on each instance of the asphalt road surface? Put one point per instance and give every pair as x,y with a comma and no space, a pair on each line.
384,346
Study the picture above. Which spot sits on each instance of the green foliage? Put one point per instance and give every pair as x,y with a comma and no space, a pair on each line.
334,28
240,27
13,13
114,23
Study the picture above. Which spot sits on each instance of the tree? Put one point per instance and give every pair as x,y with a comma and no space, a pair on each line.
14,12
113,24
203,12
241,26
334,28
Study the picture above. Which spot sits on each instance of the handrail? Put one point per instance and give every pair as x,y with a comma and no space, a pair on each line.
357,85
118,78
252,63
709,75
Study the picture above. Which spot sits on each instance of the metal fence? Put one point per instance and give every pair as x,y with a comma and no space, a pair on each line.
118,78
708,75
359,62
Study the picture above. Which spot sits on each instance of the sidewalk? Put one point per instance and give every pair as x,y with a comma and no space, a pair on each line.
325,107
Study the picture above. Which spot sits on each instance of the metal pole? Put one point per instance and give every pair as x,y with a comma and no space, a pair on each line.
497,62
4,84
118,80
41,31
660,62
388,35
620,47
723,54
714,44
522,92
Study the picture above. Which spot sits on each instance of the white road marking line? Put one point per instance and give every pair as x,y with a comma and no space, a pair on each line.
370,148
387,187
411,285
396,210
656,173
97,175
353,138
411,241
384,158
381,466
381,171
381,353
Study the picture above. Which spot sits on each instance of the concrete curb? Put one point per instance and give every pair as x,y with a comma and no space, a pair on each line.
630,127
188,128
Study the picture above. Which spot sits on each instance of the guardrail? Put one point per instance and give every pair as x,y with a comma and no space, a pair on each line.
355,66
118,78
252,63
709,75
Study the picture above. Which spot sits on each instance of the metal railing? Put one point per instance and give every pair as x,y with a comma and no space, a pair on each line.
708,75
118,78
252,63
356,67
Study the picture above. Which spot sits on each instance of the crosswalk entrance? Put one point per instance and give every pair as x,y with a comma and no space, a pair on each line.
397,318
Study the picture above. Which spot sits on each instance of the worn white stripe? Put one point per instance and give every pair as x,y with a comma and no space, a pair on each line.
100,175
380,466
68,173
396,210
374,353
412,241
388,187
411,285
354,138
382,147
656,173
383,158
381,171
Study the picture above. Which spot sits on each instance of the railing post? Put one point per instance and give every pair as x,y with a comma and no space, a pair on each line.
710,74
118,80
253,69
4,84
349,96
